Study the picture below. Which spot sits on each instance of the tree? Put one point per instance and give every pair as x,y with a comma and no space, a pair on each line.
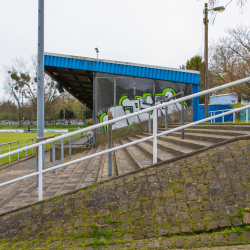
230,60
21,78
87,114
196,63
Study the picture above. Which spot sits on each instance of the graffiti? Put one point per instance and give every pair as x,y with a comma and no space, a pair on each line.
127,106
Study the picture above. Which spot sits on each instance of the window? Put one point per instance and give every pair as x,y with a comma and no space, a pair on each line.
233,101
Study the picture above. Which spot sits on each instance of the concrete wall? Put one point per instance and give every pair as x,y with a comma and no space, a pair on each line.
169,206
122,133
74,151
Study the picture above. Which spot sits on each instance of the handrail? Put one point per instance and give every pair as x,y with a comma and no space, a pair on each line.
8,143
122,146
131,115
219,110
154,136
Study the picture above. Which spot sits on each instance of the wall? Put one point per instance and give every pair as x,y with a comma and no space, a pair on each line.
192,202
142,127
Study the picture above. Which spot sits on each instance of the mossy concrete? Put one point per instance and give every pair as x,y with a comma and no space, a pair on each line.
193,202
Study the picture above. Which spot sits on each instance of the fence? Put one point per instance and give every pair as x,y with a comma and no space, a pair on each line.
40,145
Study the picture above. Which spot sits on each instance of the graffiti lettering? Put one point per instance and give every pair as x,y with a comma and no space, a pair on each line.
127,106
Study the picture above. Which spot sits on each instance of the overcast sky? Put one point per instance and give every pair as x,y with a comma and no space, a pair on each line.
155,32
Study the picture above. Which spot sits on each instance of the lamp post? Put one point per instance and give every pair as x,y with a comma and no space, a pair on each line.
97,51
206,21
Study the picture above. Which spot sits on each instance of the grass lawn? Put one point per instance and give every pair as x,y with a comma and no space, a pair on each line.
21,137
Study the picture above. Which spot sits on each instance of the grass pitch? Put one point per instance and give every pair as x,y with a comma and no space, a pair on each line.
21,137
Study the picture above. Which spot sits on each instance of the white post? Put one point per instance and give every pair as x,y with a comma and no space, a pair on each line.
40,177
234,117
18,148
246,115
223,117
155,138
26,150
32,148
9,151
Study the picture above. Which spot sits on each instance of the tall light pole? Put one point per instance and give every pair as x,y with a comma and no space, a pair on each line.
40,72
206,84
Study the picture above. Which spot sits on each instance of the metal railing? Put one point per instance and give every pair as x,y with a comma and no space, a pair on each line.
215,111
9,143
41,171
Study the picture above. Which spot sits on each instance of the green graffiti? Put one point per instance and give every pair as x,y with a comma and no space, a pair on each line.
101,121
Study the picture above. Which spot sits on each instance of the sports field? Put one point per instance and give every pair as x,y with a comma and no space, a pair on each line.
21,138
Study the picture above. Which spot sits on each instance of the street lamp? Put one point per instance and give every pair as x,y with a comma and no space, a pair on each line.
205,21
97,51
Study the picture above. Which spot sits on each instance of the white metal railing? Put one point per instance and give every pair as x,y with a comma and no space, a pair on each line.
41,171
215,111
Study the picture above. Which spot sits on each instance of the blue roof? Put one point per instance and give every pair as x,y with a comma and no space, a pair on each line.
121,68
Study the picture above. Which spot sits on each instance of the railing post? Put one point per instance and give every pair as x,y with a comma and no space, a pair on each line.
182,116
0,154
149,123
54,155
9,151
62,151
37,159
166,119
18,148
223,120
110,144
26,150
246,115
70,147
155,138
32,148
40,167
234,117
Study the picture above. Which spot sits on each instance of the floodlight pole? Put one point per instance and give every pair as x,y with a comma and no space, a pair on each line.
206,86
40,72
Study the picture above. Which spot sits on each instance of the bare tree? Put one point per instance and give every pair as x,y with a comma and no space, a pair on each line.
21,77
230,61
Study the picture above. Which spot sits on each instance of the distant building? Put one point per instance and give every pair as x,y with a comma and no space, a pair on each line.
225,99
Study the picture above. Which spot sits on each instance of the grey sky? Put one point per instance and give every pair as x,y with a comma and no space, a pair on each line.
156,32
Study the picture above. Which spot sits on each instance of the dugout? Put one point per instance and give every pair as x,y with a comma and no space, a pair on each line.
121,87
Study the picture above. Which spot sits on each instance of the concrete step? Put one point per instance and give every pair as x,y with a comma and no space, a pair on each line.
203,137
143,158
65,183
225,126
214,132
169,148
124,161
193,144
91,175
148,149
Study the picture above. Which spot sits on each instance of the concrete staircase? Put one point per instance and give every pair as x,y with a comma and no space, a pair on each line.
88,172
